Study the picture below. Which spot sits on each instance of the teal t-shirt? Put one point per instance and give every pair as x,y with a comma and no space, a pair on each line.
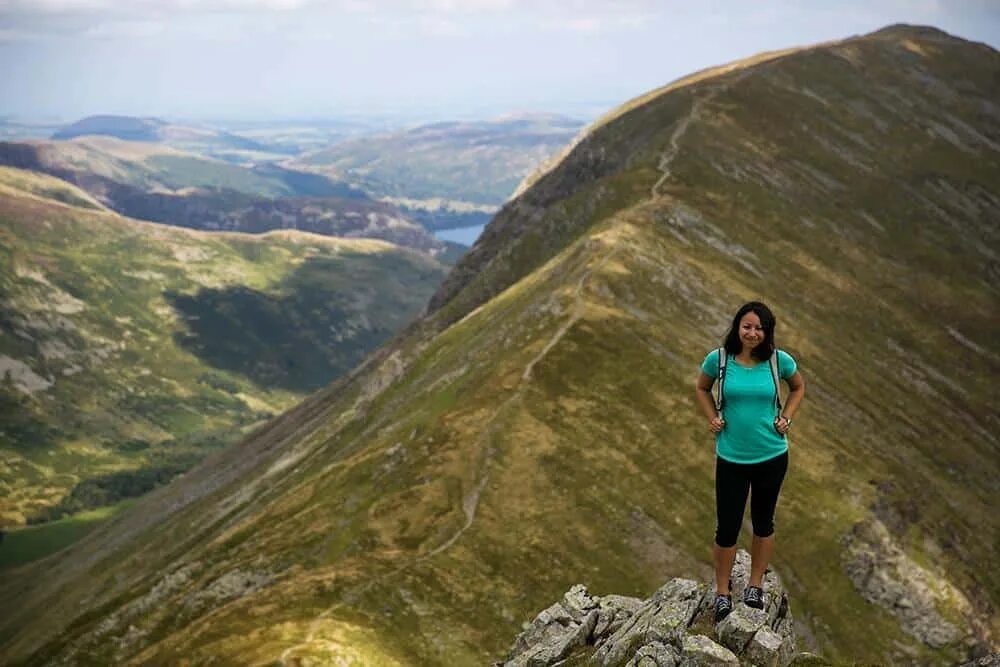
749,435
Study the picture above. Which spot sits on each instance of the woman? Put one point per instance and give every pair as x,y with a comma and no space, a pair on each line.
751,445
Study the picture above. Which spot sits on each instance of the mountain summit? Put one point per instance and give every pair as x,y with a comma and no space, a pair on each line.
122,127
537,428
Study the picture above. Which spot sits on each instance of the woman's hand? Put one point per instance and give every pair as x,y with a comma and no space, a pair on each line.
716,424
782,424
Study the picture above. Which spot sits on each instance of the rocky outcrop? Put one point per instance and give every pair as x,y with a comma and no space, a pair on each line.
673,627
885,575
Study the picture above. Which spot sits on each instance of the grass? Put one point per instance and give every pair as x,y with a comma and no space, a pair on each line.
180,171
173,338
30,543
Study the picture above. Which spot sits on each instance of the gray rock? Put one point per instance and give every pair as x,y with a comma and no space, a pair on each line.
781,621
558,643
655,654
884,574
578,603
700,650
663,618
737,629
991,660
548,626
623,644
628,632
679,602
764,649
775,597
774,590
614,611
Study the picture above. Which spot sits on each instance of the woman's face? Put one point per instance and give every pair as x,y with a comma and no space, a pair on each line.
751,332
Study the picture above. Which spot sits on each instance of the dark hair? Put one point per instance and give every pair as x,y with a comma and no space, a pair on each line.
763,351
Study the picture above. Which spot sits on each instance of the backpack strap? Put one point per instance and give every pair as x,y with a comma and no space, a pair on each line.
776,376
721,379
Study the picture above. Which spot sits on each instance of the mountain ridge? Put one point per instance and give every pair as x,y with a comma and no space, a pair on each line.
480,256
139,129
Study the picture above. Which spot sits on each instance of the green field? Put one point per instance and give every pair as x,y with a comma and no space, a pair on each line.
24,545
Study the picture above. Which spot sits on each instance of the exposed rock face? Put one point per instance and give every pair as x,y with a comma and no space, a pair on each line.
671,628
886,576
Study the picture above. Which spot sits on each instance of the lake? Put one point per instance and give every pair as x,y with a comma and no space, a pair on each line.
464,235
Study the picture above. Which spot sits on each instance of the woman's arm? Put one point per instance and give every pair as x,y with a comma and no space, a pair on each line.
797,389
703,394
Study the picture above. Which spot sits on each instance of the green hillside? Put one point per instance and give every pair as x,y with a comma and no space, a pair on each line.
449,174
538,427
160,166
155,182
130,350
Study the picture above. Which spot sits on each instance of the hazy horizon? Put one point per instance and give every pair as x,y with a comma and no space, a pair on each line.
261,60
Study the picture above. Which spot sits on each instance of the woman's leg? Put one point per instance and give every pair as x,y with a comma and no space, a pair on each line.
724,558
732,484
766,485
760,556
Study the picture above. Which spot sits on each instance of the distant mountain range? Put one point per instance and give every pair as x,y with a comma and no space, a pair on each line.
129,350
161,184
446,174
442,175
130,128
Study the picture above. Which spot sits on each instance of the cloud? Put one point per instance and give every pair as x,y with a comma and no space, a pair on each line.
104,19
172,7
124,30
581,24
462,6
8,36
439,27
597,23
32,20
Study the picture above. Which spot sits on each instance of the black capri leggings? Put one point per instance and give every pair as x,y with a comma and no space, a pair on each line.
732,483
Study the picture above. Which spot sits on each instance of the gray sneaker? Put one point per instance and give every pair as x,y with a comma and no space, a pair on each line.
723,605
753,596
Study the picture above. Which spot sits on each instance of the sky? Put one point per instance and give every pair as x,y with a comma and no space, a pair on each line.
271,59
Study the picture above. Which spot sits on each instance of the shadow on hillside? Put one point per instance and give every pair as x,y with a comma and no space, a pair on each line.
316,325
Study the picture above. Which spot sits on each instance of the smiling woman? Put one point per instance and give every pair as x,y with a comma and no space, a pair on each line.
750,430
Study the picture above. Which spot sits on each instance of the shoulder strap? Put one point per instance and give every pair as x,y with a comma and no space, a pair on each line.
721,378
776,376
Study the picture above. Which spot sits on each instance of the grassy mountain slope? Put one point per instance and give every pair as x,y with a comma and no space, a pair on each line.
128,350
538,428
